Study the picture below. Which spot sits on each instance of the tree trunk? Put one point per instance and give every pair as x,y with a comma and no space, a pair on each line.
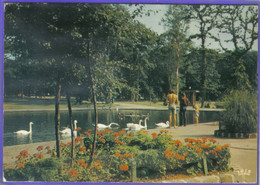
71,126
94,102
203,73
57,120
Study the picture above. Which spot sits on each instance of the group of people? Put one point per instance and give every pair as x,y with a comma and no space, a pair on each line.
172,101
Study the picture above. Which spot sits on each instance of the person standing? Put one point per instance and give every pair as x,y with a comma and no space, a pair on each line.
184,102
172,101
197,114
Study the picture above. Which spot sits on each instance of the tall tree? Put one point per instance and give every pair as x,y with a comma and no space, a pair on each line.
239,24
176,21
206,17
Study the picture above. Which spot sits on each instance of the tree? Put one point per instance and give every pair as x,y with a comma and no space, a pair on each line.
240,25
206,18
176,21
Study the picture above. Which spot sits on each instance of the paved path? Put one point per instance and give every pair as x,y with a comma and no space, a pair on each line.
243,151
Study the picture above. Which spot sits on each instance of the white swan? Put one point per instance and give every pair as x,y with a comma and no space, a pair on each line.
134,124
102,126
138,126
25,132
163,125
145,124
67,130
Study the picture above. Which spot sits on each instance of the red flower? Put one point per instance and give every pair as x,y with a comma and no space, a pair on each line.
102,140
124,167
47,147
73,173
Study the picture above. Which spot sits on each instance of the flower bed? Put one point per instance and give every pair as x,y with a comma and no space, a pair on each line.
156,155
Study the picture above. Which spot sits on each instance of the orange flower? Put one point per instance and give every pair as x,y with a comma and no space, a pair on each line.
18,156
37,155
84,165
102,140
117,154
89,130
182,158
198,141
83,148
87,133
115,134
80,161
39,148
24,153
177,156
96,166
41,156
218,150
168,153
189,144
127,155
199,150
164,131
78,140
121,132
225,146
212,140
98,161
144,131
47,147
204,139
124,167
178,143
204,146
78,128
133,155
20,165
63,144
10,166
130,134
69,143
73,173
154,135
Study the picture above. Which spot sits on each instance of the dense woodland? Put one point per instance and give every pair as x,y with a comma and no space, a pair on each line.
77,48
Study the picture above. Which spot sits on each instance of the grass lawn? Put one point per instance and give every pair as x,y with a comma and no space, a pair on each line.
49,103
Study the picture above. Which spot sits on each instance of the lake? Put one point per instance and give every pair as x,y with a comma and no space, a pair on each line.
43,128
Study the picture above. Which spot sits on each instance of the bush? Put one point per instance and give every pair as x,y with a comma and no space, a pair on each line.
241,112
155,155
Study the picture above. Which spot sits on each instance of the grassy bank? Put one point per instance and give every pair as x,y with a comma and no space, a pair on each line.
48,103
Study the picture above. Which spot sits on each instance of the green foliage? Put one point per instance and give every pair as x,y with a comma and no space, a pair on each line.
155,155
241,111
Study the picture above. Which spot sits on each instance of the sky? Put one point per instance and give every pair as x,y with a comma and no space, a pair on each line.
153,22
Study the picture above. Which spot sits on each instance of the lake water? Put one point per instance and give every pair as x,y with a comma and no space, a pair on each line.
43,128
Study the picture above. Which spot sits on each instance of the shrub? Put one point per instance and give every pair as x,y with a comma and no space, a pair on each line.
155,155
241,112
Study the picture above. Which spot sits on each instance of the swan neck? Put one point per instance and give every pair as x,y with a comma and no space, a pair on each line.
30,128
